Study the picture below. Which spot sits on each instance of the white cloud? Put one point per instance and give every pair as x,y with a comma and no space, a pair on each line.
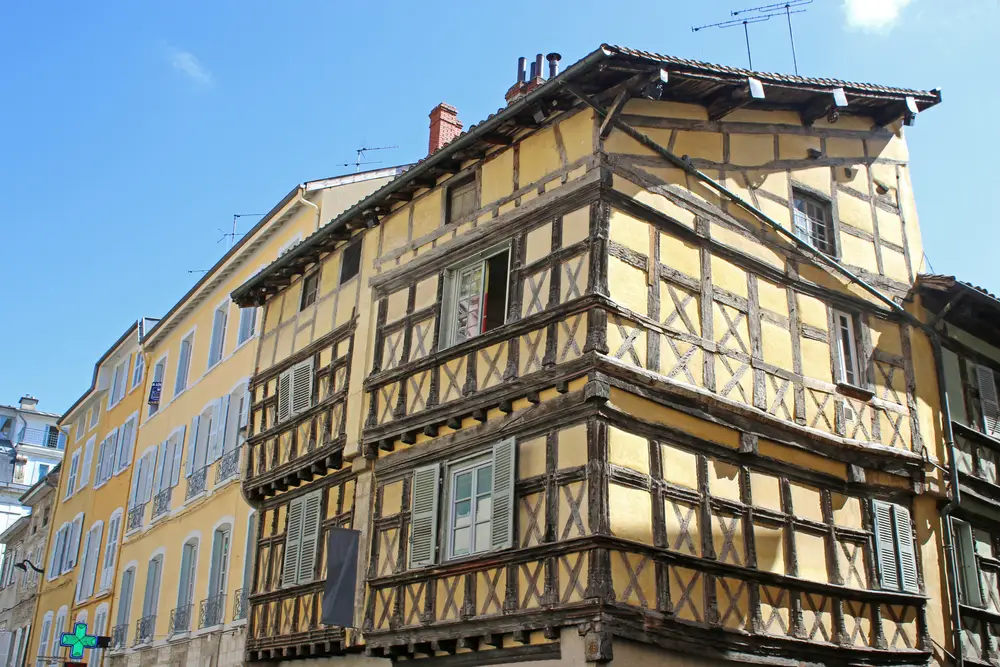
875,15
189,65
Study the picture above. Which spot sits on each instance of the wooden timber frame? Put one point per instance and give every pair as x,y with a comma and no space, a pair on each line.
567,572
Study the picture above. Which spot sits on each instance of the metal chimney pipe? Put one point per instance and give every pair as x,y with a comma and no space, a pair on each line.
534,70
553,59
522,66
538,66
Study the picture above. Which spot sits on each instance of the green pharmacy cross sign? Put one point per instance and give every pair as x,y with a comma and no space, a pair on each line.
78,640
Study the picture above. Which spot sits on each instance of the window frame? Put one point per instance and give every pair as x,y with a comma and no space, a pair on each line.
218,346
178,387
72,475
452,471
447,330
138,371
154,408
897,547
115,397
311,278
840,364
970,592
467,183
253,317
825,204
350,247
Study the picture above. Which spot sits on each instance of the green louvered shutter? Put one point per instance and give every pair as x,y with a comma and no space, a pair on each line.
989,401
293,538
502,528
907,554
965,545
311,520
885,545
423,516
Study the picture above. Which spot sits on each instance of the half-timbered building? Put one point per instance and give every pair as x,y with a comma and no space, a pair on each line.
619,373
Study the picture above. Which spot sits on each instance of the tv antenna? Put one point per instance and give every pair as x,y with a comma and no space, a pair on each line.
361,156
232,235
763,13
775,10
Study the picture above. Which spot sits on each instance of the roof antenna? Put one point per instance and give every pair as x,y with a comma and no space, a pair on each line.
232,235
763,13
775,9
361,157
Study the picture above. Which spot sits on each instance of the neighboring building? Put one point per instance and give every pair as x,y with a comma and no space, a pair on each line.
967,319
179,596
581,402
25,550
86,529
31,445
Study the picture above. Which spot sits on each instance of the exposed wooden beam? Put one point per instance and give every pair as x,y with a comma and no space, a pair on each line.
614,111
824,105
733,98
496,139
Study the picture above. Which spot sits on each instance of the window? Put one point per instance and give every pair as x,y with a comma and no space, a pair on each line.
126,443
91,553
151,596
989,403
125,597
6,425
812,222
111,550
100,628
156,386
461,199
479,502
301,539
59,627
106,458
208,436
95,414
288,245
218,343
219,573
310,286
118,384
72,550
475,298
88,459
846,352
970,584
295,387
250,554
74,469
43,470
80,431
140,368
248,324
350,262
168,466
185,592
142,479
897,561
183,364
43,640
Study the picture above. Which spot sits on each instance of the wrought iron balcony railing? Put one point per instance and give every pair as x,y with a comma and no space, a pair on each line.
196,483
161,502
144,628
180,619
119,637
135,517
241,604
228,466
213,611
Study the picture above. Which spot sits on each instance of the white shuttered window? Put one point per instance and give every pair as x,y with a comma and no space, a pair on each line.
989,401
302,539
970,586
295,388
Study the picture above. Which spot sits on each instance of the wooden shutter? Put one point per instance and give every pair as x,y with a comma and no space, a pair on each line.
43,640
192,444
245,409
885,545
907,553
423,517
93,555
111,552
73,550
218,437
175,471
284,396
148,469
81,576
88,459
302,382
311,520
989,401
502,525
125,599
162,466
293,537
101,453
968,568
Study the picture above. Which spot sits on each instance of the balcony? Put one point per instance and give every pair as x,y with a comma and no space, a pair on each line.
241,604
228,466
40,437
144,629
180,620
119,636
213,611
196,483
161,503
135,517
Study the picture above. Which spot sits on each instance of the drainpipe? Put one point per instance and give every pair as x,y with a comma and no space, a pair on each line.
302,200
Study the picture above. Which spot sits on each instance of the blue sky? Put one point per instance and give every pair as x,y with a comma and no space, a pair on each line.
131,132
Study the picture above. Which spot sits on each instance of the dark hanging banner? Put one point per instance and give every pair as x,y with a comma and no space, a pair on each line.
341,577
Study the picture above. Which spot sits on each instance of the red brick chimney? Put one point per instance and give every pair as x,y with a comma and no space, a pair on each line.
445,126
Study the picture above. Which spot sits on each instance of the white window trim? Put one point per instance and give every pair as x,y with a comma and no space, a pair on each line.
94,416
852,346
256,327
134,417
450,293
119,513
452,470
187,380
226,305
127,380
72,480
165,358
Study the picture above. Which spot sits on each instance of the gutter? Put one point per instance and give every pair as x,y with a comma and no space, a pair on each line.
469,138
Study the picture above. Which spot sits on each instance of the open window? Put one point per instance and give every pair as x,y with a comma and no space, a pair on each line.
310,288
845,349
970,585
897,560
350,262
813,221
475,295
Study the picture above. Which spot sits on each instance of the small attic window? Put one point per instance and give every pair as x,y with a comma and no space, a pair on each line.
461,199
350,262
